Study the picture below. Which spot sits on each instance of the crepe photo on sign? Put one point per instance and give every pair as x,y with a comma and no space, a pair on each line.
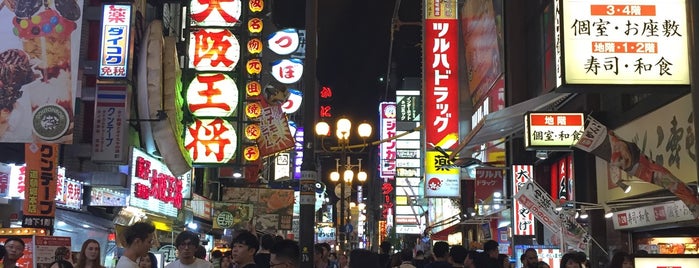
38,69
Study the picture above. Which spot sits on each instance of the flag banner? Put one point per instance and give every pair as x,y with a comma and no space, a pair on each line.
542,206
627,156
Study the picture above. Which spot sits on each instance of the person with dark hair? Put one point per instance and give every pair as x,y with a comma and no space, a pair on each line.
245,246
200,252
543,264
419,259
148,261
457,254
504,261
362,258
570,260
285,254
60,264
489,257
440,251
216,255
262,256
318,256
385,254
342,260
139,239
89,256
61,257
621,259
406,259
326,255
395,261
529,259
187,243
469,261
2,252
14,248
582,259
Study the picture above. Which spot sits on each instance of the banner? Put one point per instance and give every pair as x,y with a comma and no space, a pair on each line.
272,208
542,206
109,141
39,70
275,134
39,206
627,156
523,218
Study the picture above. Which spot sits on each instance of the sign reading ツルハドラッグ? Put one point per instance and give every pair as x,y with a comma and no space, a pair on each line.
441,95
624,42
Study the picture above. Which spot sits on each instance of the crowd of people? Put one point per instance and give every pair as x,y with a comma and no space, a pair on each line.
250,251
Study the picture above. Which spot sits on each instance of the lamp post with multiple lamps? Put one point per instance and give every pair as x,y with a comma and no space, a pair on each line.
342,132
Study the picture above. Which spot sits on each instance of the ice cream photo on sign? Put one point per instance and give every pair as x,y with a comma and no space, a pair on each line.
38,69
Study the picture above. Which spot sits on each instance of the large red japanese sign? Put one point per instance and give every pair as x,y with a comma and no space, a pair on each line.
210,140
153,187
215,12
275,136
212,95
213,50
441,31
441,73
39,206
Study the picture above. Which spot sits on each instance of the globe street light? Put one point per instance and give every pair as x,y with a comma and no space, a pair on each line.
343,129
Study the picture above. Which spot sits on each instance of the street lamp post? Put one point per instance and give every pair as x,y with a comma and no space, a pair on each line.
342,132
347,179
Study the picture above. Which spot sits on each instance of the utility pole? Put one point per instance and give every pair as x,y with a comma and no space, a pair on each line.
309,173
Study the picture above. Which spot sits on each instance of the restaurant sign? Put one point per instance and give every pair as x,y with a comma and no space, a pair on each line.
553,130
153,187
624,42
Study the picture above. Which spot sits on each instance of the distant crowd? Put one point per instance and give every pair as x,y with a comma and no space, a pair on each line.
267,251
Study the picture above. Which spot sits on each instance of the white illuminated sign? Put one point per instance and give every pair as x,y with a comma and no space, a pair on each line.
287,71
212,95
293,103
213,50
116,23
625,42
210,140
553,129
215,13
283,42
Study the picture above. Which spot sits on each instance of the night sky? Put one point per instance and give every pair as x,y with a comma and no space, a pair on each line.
353,49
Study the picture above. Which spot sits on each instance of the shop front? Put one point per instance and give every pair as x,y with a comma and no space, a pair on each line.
156,196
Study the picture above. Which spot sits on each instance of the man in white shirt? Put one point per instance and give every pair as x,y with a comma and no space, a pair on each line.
187,243
139,239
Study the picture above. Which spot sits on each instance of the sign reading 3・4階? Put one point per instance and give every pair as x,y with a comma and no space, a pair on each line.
441,94
624,42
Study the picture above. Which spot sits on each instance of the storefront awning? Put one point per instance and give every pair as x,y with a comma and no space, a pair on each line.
508,121
443,235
